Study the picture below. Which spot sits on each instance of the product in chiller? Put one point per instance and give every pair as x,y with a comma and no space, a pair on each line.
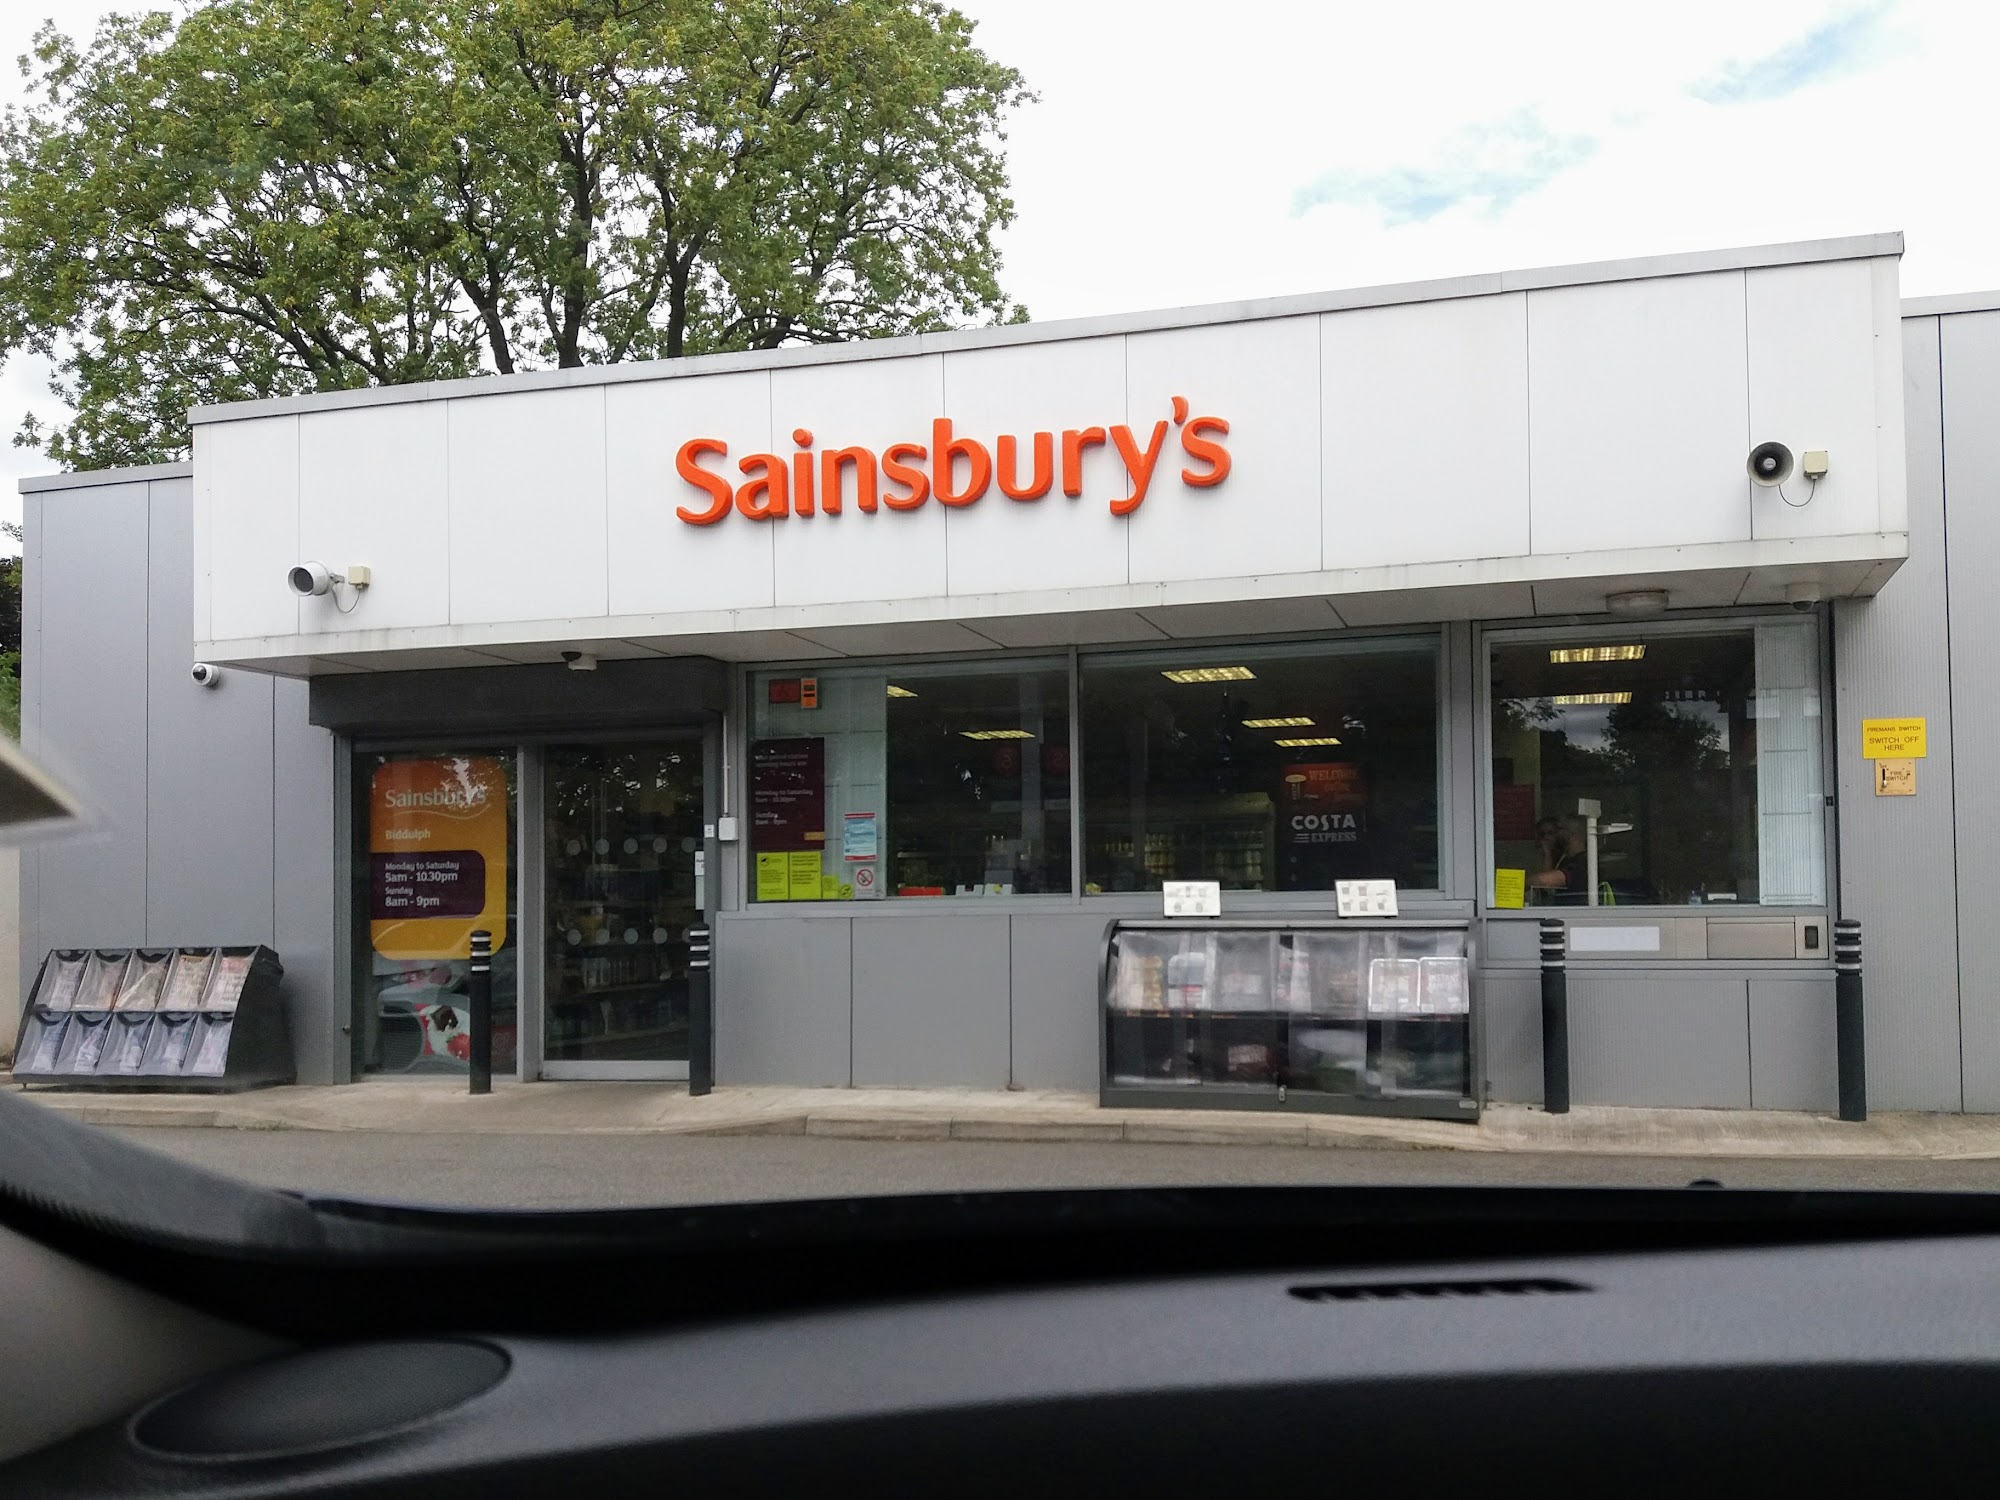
100,984
213,1055
186,979
65,979
231,969
143,984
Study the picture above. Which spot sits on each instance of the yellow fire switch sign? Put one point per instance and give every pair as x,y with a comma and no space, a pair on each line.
1892,739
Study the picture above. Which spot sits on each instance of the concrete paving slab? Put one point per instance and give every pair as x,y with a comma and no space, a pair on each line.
442,1106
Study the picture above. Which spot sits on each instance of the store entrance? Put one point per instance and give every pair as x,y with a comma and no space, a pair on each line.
621,849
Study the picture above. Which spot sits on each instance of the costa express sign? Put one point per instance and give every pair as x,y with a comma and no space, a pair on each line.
950,469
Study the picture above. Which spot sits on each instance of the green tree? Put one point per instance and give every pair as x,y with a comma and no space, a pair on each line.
276,196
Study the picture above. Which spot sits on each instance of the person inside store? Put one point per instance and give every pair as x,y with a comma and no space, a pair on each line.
1564,877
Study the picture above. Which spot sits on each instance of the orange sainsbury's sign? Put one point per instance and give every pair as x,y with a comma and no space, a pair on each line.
951,469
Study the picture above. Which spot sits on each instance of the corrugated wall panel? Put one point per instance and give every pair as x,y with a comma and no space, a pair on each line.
1890,661
1970,349
208,762
90,559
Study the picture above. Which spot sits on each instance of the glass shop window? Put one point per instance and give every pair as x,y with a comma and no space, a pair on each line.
1265,769
911,781
1645,768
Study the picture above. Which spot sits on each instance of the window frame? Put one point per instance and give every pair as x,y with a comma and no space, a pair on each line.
1591,630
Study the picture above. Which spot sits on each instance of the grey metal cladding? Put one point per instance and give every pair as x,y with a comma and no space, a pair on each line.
1792,1059
1054,999
1969,346
305,894
1510,1007
90,560
783,1002
208,763
1669,1040
931,1000
473,701
1890,660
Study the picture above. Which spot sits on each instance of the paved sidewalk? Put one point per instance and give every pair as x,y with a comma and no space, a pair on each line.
442,1106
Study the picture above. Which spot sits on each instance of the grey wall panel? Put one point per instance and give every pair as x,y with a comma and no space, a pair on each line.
783,1007
1792,1062
1510,1004
208,762
30,956
1458,772
1055,1012
90,728
1970,350
1679,1040
930,1001
1895,859
306,896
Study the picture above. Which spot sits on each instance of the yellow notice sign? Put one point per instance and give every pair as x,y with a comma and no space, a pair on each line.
803,867
1510,889
774,877
1892,739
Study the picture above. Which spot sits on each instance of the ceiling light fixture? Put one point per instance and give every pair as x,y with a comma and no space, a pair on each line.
900,692
996,734
1561,654
1209,674
1637,602
1317,739
1585,700
1295,721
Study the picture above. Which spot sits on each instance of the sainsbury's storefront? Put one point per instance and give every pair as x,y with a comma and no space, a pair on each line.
909,666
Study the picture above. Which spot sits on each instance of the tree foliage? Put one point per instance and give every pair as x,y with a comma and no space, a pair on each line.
276,196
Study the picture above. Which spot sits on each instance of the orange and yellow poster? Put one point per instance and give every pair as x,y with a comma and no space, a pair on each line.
437,856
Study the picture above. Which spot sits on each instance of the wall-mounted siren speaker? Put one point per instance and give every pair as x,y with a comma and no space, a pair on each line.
1770,464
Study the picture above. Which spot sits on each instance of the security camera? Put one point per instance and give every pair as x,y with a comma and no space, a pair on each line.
1802,596
310,580
206,674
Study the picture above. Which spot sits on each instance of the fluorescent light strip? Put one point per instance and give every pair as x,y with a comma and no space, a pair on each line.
996,734
1560,655
1296,721
1318,739
1583,700
1209,674
900,692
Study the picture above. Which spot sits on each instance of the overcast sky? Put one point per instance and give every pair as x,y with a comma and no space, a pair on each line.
1192,152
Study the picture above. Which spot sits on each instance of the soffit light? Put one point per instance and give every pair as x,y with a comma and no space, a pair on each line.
1209,674
1295,721
1317,739
900,692
997,734
1574,700
1562,654
1637,602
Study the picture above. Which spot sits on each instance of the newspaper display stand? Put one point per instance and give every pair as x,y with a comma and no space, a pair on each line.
206,1019
1334,1015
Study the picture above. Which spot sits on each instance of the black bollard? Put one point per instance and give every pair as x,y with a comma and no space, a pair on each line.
1555,1018
1849,1031
479,1001
701,1014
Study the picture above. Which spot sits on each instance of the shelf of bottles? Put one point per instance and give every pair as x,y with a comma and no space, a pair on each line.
1334,1015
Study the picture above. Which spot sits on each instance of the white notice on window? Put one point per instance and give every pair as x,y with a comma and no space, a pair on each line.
1365,898
1193,898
